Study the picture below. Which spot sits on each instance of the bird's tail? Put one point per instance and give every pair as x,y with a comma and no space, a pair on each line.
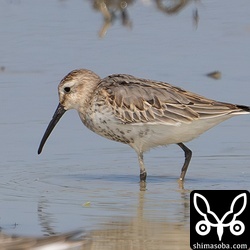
245,108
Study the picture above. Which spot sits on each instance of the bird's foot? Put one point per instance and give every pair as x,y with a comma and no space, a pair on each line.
143,176
181,183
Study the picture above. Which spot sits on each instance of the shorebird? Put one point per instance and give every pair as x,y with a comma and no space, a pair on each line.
68,241
141,113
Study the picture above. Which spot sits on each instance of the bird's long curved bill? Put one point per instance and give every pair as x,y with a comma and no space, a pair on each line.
56,117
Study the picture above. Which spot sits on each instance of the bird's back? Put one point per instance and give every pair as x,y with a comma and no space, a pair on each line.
136,100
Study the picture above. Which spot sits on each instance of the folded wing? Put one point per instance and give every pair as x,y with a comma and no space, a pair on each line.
135,100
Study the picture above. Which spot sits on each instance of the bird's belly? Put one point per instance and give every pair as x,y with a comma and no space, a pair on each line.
154,135
143,136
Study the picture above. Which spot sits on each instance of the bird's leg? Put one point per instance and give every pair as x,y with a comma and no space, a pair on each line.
143,173
188,156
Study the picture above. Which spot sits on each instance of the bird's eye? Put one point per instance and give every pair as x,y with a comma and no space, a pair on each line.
67,89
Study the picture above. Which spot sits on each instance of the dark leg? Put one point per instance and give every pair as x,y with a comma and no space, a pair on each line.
188,156
143,173
143,176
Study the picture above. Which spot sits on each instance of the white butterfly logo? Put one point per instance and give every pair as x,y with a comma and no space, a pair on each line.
203,227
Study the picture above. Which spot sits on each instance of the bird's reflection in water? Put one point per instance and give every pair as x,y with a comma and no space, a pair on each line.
145,232
141,232
146,229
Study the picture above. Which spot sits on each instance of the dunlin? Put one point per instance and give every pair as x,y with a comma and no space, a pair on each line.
141,113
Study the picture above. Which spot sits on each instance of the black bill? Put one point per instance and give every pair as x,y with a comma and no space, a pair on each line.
56,117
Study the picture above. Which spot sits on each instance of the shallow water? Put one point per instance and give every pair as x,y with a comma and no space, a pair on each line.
84,181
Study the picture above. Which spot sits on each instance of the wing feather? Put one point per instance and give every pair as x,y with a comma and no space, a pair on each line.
136,100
